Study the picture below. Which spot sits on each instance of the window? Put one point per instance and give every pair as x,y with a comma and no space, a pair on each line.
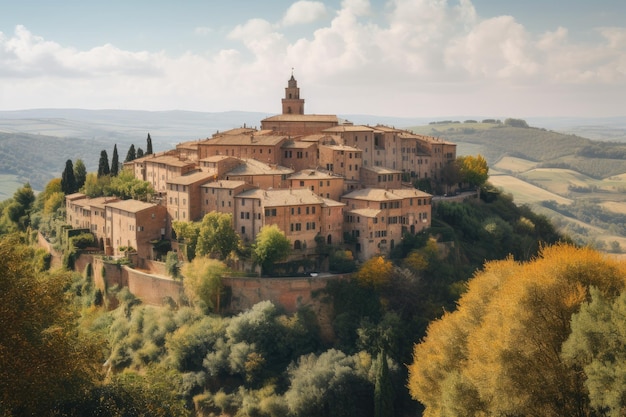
298,227
301,183
243,230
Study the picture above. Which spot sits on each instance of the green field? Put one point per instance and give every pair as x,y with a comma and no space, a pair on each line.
8,185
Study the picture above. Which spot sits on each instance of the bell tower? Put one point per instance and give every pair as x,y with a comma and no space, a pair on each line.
292,103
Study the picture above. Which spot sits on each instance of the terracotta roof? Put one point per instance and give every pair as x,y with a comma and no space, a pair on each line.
168,160
254,167
236,131
192,144
372,194
410,192
75,196
98,202
309,174
384,128
283,197
332,203
316,137
227,184
329,118
349,128
366,212
189,179
246,140
131,206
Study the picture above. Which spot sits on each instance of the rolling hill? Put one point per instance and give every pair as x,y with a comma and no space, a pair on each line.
578,183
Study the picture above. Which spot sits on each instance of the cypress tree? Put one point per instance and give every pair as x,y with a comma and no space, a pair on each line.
139,153
68,180
130,155
383,390
149,145
115,164
80,173
103,164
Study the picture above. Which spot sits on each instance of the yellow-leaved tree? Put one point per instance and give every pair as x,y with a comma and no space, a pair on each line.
499,353
375,272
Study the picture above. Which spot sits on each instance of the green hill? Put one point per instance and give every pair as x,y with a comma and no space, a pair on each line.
576,182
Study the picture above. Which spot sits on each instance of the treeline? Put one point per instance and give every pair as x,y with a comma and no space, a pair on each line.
591,213
603,150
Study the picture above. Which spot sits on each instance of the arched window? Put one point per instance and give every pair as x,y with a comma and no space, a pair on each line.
329,240
297,245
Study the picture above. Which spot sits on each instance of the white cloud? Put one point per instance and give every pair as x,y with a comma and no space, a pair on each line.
424,57
303,12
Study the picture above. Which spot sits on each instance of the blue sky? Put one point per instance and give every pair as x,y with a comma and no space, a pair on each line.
420,58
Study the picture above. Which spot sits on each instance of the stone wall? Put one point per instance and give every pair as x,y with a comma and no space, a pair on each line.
152,289
289,293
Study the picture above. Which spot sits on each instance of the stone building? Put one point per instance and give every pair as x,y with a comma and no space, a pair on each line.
184,197
299,213
135,224
321,183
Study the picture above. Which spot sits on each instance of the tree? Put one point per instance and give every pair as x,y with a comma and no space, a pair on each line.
499,353
140,153
383,390
217,235
130,155
451,174
95,186
597,344
45,359
270,246
68,181
103,164
188,232
19,209
331,384
203,282
80,173
115,162
148,145
473,170
375,272
126,186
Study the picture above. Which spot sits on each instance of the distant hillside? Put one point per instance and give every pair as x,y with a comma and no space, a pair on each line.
34,144
578,183
545,147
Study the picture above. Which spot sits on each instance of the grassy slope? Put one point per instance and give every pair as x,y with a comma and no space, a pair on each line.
520,161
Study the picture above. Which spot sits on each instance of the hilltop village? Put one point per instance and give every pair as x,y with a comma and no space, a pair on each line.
320,179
